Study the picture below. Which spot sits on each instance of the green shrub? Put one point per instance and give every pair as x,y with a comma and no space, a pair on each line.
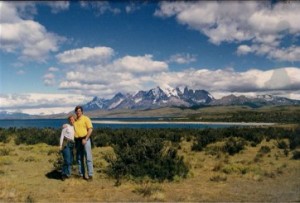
206,137
31,136
264,150
145,156
281,144
235,168
296,155
101,139
234,145
295,139
3,135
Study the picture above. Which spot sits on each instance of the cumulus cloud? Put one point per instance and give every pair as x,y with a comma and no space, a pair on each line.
263,24
86,54
291,53
122,74
26,36
140,64
36,103
129,74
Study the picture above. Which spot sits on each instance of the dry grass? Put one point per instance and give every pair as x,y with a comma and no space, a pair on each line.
213,177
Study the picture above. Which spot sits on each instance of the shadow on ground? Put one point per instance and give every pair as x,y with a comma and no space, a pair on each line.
55,174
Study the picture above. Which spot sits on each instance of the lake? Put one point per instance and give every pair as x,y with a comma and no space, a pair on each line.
121,123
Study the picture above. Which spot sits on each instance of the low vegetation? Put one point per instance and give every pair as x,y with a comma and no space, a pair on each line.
156,165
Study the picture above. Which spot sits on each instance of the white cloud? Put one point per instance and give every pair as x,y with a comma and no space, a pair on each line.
28,37
182,58
53,69
36,103
132,73
291,53
96,54
121,75
281,82
139,64
100,7
58,6
243,49
260,23
49,79
132,7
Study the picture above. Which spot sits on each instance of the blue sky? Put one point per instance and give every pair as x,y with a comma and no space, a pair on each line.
55,55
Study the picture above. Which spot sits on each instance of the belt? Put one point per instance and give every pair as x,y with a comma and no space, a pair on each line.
80,138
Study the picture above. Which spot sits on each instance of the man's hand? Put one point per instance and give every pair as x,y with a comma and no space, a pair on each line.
84,141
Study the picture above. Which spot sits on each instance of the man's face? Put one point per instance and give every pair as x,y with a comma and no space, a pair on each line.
78,113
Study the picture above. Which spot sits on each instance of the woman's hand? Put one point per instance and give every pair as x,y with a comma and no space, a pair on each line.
84,141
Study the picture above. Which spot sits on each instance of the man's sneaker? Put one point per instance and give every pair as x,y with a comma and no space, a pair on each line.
90,179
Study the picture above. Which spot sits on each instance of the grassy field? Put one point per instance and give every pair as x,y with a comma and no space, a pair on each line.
26,175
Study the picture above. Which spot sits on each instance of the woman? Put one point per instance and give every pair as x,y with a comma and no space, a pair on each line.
66,146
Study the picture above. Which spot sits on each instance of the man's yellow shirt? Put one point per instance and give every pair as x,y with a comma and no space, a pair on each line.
82,125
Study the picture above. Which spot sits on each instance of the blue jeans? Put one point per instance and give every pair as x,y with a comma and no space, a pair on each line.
68,159
84,152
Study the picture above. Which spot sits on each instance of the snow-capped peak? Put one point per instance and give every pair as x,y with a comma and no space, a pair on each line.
169,91
266,97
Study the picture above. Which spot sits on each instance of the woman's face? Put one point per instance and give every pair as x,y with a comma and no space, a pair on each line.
72,120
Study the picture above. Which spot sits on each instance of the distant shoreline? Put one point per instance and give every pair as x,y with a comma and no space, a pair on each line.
183,122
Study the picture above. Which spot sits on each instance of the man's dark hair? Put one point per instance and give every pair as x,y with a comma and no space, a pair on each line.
78,107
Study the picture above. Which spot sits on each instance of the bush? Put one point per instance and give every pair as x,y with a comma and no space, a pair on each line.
234,145
295,139
264,150
33,136
206,137
101,140
296,155
145,156
281,144
3,135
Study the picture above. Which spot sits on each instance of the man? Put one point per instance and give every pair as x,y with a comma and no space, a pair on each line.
83,130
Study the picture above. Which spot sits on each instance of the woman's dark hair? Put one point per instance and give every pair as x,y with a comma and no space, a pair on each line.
78,107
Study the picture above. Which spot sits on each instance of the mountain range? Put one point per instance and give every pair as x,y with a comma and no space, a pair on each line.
185,98
166,97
